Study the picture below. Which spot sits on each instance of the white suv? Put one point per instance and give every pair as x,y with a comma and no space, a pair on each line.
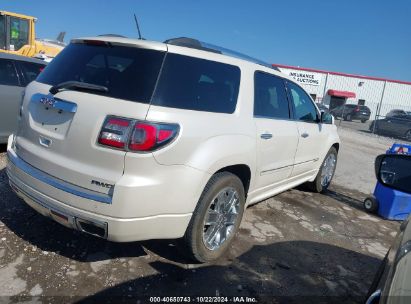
132,140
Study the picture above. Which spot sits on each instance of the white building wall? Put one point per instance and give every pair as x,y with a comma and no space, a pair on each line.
396,95
369,90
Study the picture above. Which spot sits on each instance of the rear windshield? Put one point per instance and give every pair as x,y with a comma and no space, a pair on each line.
197,84
128,73
131,73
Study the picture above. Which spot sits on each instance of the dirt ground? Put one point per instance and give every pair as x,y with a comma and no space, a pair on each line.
297,247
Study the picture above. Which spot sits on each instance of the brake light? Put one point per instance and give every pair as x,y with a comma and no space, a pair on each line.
115,132
357,109
135,136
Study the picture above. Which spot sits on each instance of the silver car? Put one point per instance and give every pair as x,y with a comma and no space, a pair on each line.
16,72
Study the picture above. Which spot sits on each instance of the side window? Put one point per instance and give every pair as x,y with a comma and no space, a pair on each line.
197,84
19,33
304,107
8,74
30,71
270,98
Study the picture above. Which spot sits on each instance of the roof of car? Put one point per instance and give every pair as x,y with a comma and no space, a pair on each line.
21,58
184,42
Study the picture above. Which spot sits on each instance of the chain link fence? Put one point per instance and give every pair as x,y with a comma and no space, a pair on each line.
380,107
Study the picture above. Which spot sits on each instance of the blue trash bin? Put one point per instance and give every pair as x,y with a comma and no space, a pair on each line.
389,203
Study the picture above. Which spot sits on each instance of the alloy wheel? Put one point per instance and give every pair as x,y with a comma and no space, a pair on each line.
221,218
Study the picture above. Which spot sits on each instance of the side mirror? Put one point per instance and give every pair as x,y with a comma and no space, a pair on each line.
327,118
394,171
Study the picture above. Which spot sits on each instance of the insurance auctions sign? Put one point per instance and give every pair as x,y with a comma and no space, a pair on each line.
306,77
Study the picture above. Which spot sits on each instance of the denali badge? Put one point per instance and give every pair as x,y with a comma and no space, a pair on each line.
101,184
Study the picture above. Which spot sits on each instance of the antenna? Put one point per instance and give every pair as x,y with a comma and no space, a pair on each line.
138,27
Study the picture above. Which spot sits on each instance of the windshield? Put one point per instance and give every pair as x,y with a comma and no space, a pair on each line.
19,33
2,32
128,73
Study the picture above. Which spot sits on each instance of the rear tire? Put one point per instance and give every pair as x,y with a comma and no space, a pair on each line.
210,214
371,204
363,120
320,184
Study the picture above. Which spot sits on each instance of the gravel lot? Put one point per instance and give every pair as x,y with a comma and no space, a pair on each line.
297,247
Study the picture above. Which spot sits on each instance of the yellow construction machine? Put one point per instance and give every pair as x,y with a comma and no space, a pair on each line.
18,36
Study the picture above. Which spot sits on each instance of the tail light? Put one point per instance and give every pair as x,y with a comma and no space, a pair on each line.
357,109
136,136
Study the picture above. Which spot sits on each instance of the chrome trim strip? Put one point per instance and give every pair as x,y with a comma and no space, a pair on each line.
53,102
275,169
279,168
72,219
307,161
58,183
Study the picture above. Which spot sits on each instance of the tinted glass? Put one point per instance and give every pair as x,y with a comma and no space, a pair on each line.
19,33
197,84
2,33
396,173
30,71
270,99
304,107
128,73
8,74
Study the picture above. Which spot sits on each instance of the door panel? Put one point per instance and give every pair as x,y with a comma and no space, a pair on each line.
311,137
10,97
277,142
311,133
277,135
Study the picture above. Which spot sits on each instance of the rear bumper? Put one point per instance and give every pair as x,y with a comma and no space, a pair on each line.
50,204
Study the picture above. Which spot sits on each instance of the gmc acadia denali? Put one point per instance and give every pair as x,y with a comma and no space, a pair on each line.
131,140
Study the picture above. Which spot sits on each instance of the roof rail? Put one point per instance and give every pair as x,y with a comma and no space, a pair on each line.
208,47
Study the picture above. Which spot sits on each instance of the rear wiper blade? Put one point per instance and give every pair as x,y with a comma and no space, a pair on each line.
73,85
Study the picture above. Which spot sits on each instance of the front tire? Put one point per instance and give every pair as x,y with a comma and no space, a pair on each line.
326,173
363,120
217,217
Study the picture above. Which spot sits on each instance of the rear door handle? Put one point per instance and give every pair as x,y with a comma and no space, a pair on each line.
305,135
266,136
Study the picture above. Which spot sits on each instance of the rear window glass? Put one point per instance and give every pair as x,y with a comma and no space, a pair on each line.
197,84
128,73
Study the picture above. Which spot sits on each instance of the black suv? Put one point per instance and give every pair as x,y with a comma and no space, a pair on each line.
352,112
397,125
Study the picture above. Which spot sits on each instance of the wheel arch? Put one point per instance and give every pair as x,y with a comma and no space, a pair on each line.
242,171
